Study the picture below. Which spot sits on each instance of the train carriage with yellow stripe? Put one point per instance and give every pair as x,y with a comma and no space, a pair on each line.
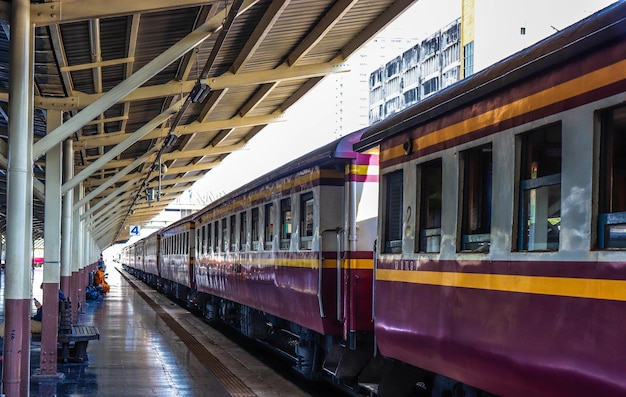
502,224
287,259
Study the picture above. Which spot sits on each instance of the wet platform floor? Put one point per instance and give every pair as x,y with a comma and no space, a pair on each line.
151,347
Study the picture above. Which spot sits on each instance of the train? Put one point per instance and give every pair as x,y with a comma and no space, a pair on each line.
473,244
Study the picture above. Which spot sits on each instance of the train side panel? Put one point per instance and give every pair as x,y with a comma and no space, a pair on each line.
533,304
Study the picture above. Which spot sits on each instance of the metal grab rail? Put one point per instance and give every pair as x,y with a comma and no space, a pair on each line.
375,263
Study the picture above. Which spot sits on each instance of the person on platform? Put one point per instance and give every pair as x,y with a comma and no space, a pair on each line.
35,321
99,280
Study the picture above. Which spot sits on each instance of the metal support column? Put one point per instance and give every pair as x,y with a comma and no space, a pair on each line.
52,255
66,223
19,257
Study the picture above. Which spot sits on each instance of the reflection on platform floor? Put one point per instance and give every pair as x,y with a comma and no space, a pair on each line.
139,354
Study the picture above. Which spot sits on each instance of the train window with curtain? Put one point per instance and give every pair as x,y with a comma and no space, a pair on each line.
306,220
233,233
209,230
243,231
429,193
269,225
185,238
216,236
203,240
612,189
393,212
255,227
476,166
540,189
224,235
285,223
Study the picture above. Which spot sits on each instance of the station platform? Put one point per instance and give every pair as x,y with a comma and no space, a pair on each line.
150,346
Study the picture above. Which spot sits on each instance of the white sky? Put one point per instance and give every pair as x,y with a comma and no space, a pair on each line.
309,123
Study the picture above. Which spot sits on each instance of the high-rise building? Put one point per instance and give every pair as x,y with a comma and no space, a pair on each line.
416,73
486,32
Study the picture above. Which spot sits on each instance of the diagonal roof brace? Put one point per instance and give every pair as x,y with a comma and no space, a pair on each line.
151,69
108,156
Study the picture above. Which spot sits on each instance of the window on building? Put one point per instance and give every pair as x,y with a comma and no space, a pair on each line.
285,223
269,225
468,59
255,227
306,220
393,212
233,233
612,189
429,87
540,189
476,205
411,96
243,231
430,191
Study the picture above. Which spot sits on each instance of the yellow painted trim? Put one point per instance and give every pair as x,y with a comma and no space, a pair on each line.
557,286
357,264
569,89
364,169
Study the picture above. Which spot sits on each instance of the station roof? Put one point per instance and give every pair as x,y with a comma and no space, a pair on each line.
154,94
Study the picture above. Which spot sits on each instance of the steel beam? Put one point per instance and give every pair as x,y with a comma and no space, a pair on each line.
153,67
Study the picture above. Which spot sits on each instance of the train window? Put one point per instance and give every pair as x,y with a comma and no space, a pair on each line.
255,228
269,225
476,204
612,190
393,212
210,238
540,189
285,223
187,242
430,191
243,231
203,240
224,235
306,221
233,233
216,236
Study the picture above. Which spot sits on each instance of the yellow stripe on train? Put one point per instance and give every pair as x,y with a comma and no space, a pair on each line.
558,286
572,88
357,264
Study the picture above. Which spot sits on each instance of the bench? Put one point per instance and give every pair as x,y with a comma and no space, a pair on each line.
73,345
72,338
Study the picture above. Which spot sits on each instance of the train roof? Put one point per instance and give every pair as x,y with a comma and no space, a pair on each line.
174,225
339,150
592,32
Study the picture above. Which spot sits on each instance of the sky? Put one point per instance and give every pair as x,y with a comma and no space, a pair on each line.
310,123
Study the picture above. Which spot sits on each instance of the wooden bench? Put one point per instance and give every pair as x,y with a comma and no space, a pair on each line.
72,338
73,345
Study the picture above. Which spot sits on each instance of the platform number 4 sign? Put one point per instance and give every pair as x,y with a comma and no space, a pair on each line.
134,230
